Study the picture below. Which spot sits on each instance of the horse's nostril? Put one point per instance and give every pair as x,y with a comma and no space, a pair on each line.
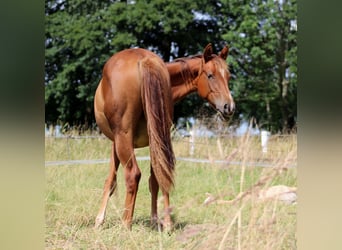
229,108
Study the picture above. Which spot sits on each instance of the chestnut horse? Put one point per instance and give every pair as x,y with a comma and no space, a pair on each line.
134,107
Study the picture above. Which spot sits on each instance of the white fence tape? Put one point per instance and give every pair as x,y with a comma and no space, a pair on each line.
147,158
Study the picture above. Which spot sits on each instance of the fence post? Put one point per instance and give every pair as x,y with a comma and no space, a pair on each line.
191,143
264,140
58,131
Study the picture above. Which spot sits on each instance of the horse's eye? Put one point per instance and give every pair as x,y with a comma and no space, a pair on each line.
210,76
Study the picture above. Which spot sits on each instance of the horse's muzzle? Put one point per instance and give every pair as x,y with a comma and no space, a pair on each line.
228,110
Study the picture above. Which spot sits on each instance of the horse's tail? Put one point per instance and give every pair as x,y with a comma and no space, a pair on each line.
158,109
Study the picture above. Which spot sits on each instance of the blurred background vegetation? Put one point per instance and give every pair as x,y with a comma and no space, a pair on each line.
81,35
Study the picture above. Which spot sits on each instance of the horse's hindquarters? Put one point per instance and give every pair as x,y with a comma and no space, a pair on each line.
101,119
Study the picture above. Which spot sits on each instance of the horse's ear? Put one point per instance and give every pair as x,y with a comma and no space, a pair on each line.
208,51
224,52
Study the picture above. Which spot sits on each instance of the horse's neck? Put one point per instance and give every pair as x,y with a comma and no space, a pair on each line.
182,86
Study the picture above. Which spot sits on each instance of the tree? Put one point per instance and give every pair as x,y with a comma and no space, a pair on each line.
76,47
263,60
81,35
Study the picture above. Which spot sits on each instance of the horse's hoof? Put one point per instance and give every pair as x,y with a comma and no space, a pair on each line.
127,226
98,223
167,227
155,223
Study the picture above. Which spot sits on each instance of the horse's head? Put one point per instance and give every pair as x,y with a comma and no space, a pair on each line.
213,81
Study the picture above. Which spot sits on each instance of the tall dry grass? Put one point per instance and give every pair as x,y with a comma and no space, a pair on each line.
215,205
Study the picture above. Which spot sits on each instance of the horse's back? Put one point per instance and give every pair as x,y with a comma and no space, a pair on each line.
122,69
118,96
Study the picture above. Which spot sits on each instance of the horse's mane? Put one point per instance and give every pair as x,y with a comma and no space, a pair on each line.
187,58
186,72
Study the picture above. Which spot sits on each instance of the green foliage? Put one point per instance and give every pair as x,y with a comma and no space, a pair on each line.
263,61
75,47
82,34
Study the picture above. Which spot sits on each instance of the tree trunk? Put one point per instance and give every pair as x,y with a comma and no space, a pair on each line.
282,81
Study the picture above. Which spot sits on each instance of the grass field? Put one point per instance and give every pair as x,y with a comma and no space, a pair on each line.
73,196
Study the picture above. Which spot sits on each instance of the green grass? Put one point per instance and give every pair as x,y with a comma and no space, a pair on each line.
73,196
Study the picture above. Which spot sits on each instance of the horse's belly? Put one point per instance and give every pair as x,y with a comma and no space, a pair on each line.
140,135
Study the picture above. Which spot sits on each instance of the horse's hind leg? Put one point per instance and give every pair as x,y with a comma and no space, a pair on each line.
109,187
125,151
154,188
167,222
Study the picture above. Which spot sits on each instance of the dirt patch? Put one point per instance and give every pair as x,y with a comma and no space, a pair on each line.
201,236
